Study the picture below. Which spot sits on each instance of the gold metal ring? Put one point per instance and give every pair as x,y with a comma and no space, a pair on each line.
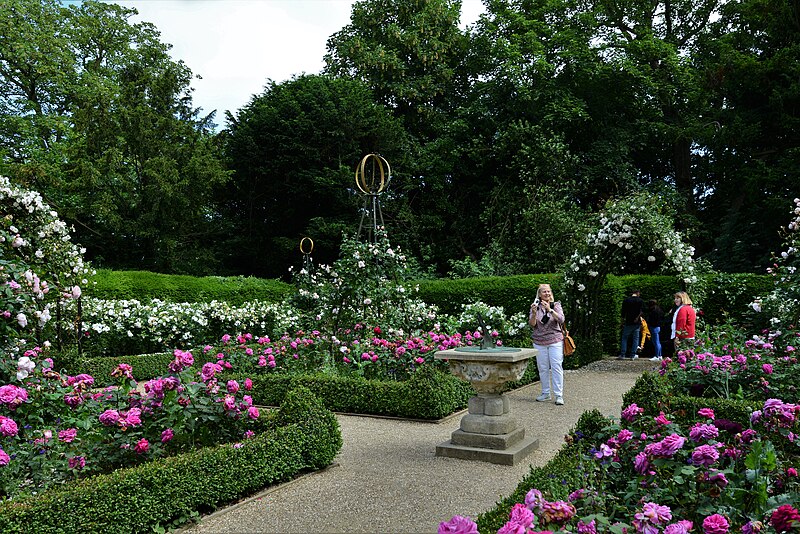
380,167
310,246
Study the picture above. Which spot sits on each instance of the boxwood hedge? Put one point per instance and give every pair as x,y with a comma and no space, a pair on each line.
144,285
304,436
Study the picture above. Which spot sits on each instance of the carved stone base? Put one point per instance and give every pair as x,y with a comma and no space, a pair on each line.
485,441
509,456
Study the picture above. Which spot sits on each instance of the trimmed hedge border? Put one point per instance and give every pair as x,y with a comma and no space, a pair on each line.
145,285
429,394
139,498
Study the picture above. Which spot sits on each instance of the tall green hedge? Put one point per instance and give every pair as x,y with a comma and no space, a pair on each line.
728,295
143,286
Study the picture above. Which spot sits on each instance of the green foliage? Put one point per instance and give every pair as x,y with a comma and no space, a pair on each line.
139,499
97,116
143,286
431,395
513,293
293,149
319,426
647,392
407,51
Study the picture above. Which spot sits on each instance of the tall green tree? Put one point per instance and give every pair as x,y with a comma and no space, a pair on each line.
751,66
293,150
411,53
96,115
408,52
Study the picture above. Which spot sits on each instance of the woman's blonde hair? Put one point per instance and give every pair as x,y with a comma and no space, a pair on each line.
684,296
539,291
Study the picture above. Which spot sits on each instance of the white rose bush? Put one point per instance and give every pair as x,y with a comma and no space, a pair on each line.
40,268
781,307
629,227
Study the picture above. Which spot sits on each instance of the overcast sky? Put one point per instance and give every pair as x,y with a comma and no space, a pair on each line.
237,45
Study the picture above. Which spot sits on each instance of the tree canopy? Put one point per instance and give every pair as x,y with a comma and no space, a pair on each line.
96,116
505,138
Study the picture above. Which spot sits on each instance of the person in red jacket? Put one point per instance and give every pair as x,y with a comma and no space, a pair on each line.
683,321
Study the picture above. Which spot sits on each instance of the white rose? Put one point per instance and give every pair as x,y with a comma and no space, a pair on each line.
651,258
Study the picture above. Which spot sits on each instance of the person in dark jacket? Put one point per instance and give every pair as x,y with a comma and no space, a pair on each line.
631,325
655,316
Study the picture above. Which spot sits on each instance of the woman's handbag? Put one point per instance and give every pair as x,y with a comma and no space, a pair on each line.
569,343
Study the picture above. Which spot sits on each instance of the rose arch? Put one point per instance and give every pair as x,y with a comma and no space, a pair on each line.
634,226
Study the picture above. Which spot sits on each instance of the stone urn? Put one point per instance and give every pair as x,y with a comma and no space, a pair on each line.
488,432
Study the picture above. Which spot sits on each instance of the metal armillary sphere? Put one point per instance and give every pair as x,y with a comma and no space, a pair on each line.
306,247
373,174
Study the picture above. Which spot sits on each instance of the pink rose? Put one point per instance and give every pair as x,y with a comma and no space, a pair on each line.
8,427
142,446
109,417
233,386
457,524
715,524
68,435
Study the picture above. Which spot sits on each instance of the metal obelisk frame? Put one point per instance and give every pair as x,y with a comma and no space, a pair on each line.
372,178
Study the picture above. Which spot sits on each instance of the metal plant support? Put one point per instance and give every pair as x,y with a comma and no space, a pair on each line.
306,248
372,178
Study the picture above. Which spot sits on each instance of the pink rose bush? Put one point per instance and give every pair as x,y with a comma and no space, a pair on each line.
725,363
55,427
360,350
705,476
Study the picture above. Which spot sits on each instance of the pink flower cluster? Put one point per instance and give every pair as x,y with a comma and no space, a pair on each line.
12,396
183,359
776,414
538,511
131,418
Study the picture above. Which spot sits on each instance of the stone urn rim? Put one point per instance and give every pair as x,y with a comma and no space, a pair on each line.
485,355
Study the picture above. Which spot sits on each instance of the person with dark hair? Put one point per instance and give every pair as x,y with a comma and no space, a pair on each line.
631,324
655,315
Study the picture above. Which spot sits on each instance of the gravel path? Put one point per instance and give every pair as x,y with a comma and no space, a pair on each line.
387,478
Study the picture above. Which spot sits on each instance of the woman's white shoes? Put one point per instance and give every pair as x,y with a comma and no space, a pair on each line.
560,401
655,359
543,397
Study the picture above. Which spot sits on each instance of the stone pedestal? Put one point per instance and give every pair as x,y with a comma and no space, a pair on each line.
488,432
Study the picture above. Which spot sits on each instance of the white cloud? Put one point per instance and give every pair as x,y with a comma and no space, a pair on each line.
235,46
